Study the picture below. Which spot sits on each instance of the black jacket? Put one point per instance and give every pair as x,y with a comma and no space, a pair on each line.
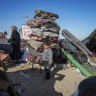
15,37
15,42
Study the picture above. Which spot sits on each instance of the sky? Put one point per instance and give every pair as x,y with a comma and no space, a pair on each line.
77,16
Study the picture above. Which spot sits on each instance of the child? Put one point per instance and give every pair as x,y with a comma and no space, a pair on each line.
1,35
47,59
4,35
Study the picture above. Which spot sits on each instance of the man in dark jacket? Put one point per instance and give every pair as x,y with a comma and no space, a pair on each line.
15,42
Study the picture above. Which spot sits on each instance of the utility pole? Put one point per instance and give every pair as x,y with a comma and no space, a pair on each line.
26,17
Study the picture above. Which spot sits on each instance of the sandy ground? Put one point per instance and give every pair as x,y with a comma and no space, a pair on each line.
61,83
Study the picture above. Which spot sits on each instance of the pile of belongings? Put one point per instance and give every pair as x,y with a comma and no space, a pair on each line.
91,44
5,47
43,26
75,47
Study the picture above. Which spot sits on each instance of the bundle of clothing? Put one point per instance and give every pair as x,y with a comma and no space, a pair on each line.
5,47
91,45
90,42
43,26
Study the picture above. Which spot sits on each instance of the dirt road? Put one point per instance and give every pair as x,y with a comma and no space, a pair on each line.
62,82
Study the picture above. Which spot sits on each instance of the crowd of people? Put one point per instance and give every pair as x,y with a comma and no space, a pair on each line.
14,41
3,35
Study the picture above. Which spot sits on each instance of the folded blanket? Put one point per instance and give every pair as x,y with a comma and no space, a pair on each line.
50,34
46,13
40,22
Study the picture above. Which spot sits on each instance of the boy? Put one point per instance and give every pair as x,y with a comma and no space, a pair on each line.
47,59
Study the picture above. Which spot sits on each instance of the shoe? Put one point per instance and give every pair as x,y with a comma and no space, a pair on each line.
44,79
13,61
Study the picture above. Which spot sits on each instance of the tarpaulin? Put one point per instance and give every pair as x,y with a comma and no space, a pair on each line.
71,38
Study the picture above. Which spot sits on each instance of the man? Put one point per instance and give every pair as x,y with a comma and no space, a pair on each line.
15,42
